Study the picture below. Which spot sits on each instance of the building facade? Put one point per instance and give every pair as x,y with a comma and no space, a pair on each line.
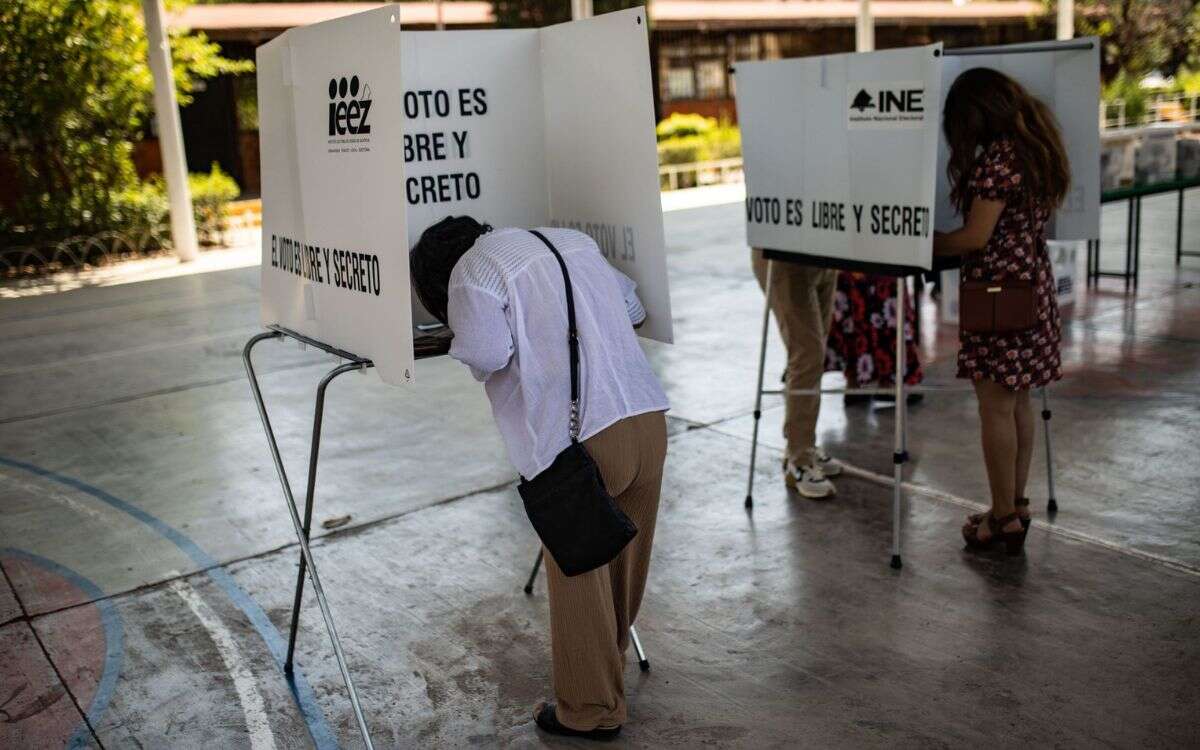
692,45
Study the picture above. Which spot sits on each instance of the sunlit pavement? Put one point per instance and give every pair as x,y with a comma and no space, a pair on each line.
148,560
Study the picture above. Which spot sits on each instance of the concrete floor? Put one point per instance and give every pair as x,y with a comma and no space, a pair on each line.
148,562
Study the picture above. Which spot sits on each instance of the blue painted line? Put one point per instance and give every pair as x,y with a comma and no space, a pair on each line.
114,638
306,701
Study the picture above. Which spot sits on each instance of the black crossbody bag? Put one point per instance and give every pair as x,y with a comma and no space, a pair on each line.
568,505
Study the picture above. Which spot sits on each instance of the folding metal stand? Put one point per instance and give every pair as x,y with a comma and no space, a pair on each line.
302,526
643,662
900,392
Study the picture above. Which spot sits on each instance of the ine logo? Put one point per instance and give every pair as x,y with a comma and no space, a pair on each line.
895,104
862,101
349,107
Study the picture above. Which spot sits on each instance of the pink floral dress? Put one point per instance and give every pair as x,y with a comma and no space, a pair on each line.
1017,249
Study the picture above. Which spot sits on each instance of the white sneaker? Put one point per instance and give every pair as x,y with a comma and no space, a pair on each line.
809,480
830,466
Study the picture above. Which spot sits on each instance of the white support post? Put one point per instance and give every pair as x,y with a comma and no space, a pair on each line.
170,133
864,28
581,9
1066,19
900,440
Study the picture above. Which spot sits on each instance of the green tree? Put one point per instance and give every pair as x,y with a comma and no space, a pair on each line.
75,93
516,14
1140,36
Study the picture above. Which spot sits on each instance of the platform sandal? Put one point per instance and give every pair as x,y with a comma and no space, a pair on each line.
1021,502
1013,541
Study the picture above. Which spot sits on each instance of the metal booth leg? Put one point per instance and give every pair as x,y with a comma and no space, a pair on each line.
758,393
1051,504
537,564
643,662
900,454
302,526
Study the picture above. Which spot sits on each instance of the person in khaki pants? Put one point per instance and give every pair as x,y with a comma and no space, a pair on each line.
801,299
501,292
590,614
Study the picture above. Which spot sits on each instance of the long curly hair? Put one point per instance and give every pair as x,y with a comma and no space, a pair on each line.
983,106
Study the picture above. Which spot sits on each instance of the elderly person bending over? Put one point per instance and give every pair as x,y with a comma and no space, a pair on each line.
501,292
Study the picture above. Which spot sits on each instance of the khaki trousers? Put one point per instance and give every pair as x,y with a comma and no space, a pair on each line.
802,302
590,614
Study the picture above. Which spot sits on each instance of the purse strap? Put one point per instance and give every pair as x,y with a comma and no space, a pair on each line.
572,338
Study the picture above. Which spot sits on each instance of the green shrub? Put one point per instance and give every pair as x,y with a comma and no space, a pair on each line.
140,212
691,138
726,141
679,125
1187,82
211,195
686,150
1128,89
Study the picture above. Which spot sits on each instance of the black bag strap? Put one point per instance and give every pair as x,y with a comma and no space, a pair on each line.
572,338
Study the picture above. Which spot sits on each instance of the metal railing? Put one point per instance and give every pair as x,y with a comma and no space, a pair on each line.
1160,108
704,173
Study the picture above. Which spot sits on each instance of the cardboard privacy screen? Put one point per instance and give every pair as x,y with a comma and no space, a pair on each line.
370,135
840,153
333,261
845,160
1066,77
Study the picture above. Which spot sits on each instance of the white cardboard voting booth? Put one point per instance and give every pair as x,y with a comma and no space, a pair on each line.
840,155
370,134
846,167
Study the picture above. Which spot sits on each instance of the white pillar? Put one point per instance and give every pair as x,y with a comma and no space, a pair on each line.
170,134
864,28
581,9
1066,19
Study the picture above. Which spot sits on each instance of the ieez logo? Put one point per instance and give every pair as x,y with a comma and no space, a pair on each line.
349,112
894,104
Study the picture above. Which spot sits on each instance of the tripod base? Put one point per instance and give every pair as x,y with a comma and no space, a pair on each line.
1052,506
749,501
896,564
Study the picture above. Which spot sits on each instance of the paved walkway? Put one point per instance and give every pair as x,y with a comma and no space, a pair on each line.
147,560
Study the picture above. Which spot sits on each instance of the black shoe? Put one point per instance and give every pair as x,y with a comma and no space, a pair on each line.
547,721
856,399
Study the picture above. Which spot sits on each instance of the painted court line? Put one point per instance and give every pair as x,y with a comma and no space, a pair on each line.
114,640
306,700
1077,536
258,726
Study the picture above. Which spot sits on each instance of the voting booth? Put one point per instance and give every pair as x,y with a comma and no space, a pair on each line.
845,167
370,134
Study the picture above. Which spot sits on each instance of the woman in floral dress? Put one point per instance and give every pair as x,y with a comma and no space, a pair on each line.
1008,170
862,338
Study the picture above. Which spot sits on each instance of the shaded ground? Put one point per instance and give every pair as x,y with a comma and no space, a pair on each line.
148,561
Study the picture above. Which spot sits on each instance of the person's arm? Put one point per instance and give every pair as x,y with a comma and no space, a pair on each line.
975,232
633,305
482,339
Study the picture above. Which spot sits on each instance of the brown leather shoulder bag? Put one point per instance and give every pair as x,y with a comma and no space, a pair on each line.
996,306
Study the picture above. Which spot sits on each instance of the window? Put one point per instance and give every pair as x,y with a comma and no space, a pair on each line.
680,83
710,78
